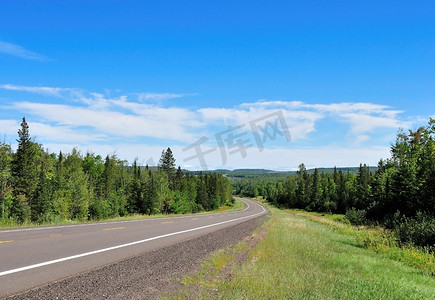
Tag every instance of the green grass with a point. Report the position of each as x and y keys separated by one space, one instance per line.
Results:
x=302 y=259
x=8 y=223
x=377 y=239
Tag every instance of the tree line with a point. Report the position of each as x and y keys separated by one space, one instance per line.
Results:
x=37 y=186
x=399 y=195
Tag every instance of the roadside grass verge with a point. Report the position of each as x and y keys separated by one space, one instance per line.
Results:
x=377 y=239
x=8 y=223
x=299 y=258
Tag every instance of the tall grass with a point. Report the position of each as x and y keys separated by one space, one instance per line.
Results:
x=378 y=239
x=302 y=259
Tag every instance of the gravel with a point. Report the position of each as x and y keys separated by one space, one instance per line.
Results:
x=146 y=276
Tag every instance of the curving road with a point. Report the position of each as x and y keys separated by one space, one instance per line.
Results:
x=32 y=257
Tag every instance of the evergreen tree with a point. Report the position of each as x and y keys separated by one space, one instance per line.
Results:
x=363 y=187
x=5 y=178
x=315 y=192
x=201 y=192
x=341 y=193
x=164 y=193
x=41 y=204
x=108 y=177
x=135 y=198
x=24 y=172
x=178 y=181
x=60 y=174
x=167 y=164
x=302 y=190
x=426 y=171
x=149 y=193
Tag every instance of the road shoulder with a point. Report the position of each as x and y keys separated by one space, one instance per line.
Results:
x=146 y=276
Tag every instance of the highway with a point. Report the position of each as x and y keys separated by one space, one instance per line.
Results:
x=31 y=257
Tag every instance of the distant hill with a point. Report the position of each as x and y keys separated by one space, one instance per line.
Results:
x=254 y=173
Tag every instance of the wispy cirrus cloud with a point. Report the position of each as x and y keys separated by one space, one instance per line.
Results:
x=19 y=51
x=158 y=96
x=94 y=98
x=42 y=90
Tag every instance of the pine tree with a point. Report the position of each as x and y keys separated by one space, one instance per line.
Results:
x=178 y=182
x=201 y=192
x=302 y=188
x=341 y=193
x=24 y=172
x=108 y=177
x=363 y=187
x=149 y=193
x=167 y=164
x=135 y=199
x=167 y=161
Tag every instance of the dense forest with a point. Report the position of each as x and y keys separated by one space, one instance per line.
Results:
x=37 y=186
x=399 y=195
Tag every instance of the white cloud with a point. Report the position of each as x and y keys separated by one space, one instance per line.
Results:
x=44 y=90
x=105 y=124
x=19 y=51
x=364 y=123
x=299 y=123
x=158 y=96
x=175 y=115
x=122 y=117
x=63 y=133
x=363 y=117
x=359 y=139
x=8 y=127
x=161 y=123
x=359 y=107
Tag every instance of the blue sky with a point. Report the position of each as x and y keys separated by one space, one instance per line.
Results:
x=134 y=77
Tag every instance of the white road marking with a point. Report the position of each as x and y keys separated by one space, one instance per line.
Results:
x=124 y=245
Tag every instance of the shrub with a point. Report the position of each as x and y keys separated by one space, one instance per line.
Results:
x=418 y=231
x=356 y=216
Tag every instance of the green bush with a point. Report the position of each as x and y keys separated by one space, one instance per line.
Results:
x=356 y=216
x=418 y=231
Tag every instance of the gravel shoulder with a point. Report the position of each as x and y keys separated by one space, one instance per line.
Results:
x=146 y=276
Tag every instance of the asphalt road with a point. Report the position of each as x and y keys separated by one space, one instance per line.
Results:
x=33 y=257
